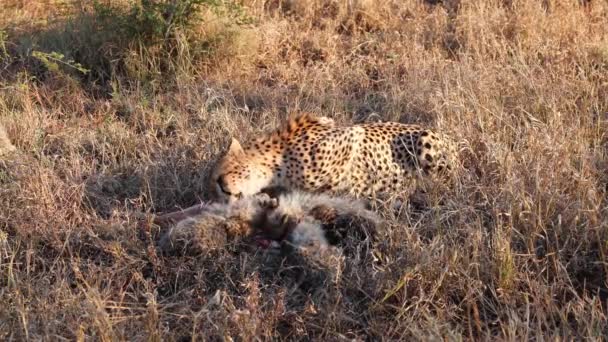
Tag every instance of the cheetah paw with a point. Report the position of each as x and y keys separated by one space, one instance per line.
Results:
x=266 y=202
x=325 y=121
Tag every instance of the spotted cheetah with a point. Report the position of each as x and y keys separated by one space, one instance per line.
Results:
x=314 y=154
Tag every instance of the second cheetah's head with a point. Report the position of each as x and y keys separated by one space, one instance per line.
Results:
x=239 y=174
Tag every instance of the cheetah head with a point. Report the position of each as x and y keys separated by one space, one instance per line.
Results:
x=238 y=174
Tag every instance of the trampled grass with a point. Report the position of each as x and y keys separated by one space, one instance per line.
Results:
x=516 y=249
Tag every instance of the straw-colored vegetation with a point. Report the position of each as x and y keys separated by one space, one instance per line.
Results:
x=118 y=108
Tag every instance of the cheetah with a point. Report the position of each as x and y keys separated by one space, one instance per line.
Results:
x=294 y=218
x=312 y=153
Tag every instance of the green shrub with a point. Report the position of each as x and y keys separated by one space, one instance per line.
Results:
x=152 y=21
x=143 y=41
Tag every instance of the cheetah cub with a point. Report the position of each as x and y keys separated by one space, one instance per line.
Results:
x=304 y=219
x=314 y=154
x=295 y=219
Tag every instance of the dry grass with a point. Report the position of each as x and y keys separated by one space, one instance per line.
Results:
x=516 y=250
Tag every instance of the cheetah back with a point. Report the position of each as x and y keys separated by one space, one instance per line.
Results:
x=363 y=159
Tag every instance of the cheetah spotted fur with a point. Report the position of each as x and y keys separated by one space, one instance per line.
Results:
x=314 y=154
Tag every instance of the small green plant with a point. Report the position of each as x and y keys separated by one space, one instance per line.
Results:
x=53 y=61
x=3 y=49
x=5 y=178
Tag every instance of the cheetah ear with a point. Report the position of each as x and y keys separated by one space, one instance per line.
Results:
x=235 y=148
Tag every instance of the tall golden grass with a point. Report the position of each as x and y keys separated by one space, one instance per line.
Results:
x=515 y=250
